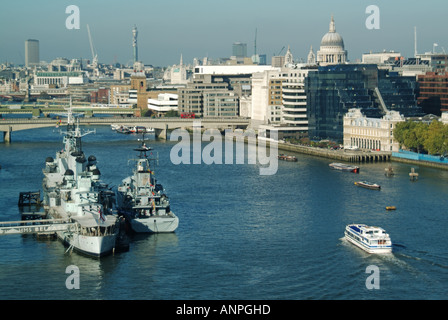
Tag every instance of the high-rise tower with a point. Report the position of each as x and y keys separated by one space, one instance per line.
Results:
x=239 y=50
x=31 y=53
x=134 y=43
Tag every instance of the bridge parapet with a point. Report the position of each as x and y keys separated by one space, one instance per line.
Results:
x=162 y=125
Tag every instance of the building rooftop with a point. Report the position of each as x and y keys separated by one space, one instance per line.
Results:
x=232 y=69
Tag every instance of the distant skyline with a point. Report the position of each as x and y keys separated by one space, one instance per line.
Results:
x=199 y=28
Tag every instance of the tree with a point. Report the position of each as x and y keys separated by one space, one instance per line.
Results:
x=172 y=113
x=417 y=136
x=436 y=141
x=400 y=132
x=420 y=136
x=411 y=134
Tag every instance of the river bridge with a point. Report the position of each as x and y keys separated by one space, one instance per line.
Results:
x=37 y=110
x=161 y=125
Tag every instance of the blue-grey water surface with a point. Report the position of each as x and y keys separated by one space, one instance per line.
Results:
x=241 y=235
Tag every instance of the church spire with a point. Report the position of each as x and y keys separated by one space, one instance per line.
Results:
x=289 y=59
x=332 y=25
x=311 y=56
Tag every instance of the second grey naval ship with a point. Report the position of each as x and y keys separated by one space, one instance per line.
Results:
x=142 y=201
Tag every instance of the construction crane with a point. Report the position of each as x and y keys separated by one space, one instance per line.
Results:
x=280 y=52
x=92 y=49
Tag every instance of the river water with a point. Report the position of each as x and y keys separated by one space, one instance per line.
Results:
x=241 y=236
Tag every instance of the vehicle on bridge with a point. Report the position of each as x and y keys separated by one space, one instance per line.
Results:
x=187 y=115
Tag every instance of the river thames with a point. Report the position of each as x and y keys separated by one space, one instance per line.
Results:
x=242 y=235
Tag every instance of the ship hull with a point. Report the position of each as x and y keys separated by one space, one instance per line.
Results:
x=92 y=246
x=154 y=224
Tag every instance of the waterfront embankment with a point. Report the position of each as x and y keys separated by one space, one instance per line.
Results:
x=342 y=155
x=360 y=156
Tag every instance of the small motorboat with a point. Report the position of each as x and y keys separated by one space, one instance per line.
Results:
x=123 y=129
x=368 y=185
x=285 y=157
x=388 y=208
x=344 y=167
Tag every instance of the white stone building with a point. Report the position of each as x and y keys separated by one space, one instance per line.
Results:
x=371 y=133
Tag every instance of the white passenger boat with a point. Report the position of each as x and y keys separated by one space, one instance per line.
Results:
x=368 y=238
x=73 y=191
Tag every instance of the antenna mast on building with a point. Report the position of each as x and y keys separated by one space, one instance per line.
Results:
x=255 y=57
x=415 y=42
x=255 y=43
x=134 y=43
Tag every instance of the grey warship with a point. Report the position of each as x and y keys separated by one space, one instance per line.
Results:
x=72 y=190
x=142 y=201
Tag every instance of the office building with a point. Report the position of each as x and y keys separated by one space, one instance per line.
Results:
x=165 y=102
x=59 y=79
x=191 y=98
x=220 y=103
x=433 y=92
x=437 y=61
x=279 y=101
x=278 y=61
x=31 y=53
x=119 y=94
x=371 y=133
x=239 y=50
x=294 y=103
x=275 y=100
x=266 y=97
x=333 y=90
x=380 y=57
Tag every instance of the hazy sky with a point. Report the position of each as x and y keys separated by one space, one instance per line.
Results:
x=198 y=28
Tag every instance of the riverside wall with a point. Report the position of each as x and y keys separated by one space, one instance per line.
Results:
x=341 y=155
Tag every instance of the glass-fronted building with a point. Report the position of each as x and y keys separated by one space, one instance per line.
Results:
x=333 y=90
